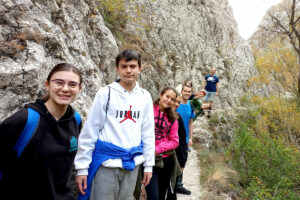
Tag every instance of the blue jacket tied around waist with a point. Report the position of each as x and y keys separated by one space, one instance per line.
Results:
x=105 y=151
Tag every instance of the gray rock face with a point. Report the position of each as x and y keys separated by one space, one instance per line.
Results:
x=186 y=39
x=183 y=40
x=36 y=35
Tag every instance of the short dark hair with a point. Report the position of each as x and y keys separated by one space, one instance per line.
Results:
x=129 y=55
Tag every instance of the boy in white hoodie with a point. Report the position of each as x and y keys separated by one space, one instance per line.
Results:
x=117 y=136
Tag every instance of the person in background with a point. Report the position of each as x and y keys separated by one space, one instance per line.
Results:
x=211 y=86
x=166 y=141
x=117 y=136
x=188 y=83
x=42 y=168
x=198 y=105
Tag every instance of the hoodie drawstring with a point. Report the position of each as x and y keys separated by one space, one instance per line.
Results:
x=162 y=119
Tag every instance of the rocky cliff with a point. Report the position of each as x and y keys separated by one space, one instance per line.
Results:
x=180 y=39
x=187 y=38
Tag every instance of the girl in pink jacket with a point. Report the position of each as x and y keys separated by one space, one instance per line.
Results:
x=166 y=140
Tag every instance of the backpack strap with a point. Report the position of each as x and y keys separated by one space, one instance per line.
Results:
x=108 y=98
x=168 y=133
x=28 y=131
x=78 y=118
x=192 y=105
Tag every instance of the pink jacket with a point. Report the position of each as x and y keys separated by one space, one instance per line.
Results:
x=166 y=133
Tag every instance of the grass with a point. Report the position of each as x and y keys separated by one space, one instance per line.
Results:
x=215 y=175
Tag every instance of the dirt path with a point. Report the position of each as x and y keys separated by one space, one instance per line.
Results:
x=191 y=178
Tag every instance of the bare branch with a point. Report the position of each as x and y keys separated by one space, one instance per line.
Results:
x=286 y=10
x=293 y=43
x=277 y=23
x=297 y=20
x=292 y=12
x=274 y=31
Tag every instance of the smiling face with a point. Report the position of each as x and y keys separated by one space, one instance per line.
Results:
x=128 y=71
x=167 y=99
x=176 y=103
x=186 y=92
x=63 y=94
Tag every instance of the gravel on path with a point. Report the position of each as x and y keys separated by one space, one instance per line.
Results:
x=191 y=178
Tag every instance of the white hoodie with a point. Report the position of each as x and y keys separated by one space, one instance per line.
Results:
x=112 y=126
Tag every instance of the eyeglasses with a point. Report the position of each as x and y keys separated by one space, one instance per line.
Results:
x=61 y=83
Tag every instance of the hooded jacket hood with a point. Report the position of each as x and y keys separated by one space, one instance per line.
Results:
x=40 y=107
x=122 y=91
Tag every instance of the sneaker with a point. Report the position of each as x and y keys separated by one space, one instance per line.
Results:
x=183 y=190
x=208 y=114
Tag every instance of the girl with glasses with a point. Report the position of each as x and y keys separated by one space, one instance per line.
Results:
x=40 y=168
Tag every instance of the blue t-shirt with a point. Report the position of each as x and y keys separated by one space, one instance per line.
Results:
x=186 y=113
x=211 y=83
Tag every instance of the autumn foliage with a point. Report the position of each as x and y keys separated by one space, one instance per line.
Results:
x=278 y=69
x=266 y=147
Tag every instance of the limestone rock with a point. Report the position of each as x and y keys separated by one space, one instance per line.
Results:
x=185 y=39
x=36 y=35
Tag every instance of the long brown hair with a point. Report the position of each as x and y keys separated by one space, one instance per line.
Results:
x=171 y=115
x=62 y=67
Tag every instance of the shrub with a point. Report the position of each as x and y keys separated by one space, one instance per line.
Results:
x=114 y=13
x=268 y=167
x=215 y=175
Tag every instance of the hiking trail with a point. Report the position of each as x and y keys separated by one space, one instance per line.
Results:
x=191 y=178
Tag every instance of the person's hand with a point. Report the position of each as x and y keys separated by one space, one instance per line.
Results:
x=181 y=168
x=197 y=96
x=81 y=182
x=190 y=142
x=200 y=94
x=216 y=93
x=147 y=178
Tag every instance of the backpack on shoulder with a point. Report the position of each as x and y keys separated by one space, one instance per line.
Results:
x=28 y=132
x=33 y=118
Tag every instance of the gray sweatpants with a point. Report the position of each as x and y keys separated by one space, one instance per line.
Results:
x=113 y=184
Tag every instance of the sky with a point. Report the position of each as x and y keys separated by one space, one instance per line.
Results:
x=249 y=13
